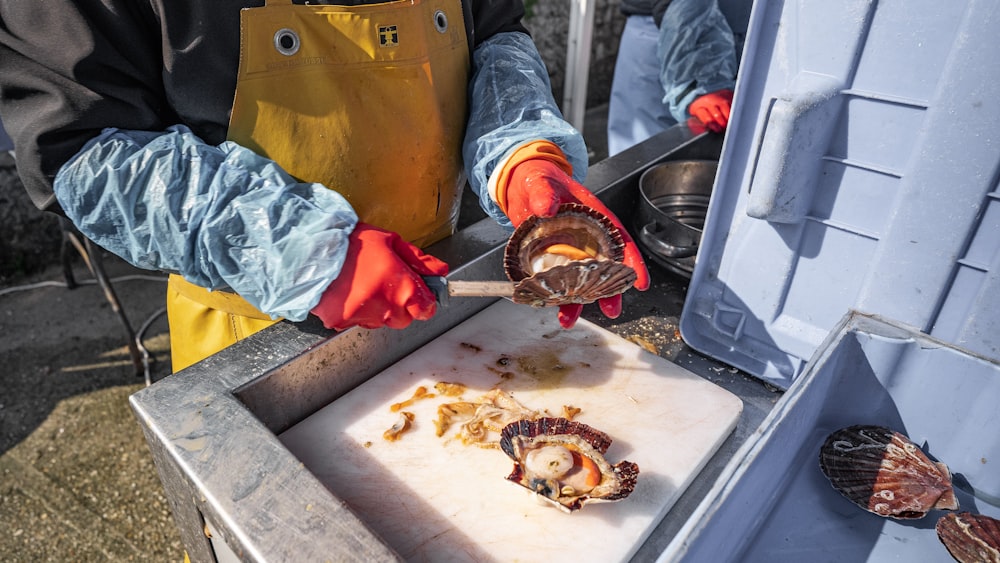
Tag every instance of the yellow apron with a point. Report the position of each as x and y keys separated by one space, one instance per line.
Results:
x=368 y=100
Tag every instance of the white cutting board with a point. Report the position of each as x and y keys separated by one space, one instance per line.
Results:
x=436 y=499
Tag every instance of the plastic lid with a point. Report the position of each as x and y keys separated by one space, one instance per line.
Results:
x=860 y=172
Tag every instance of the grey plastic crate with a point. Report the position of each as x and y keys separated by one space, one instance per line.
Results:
x=851 y=255
x=859 y=172
x=774 y=504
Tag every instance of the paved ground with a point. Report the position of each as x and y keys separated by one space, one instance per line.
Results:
x=77 y=482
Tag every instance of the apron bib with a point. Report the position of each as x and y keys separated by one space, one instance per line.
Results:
x=368 y=100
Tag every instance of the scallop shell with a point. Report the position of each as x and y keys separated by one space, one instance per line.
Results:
x=562 y=461
x=544 y=279
x=883 y=472
x=970 y=538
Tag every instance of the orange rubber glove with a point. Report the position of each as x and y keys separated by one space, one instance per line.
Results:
x=380 y=283
x=696 y=126
x=536 y=180
x=712 y=109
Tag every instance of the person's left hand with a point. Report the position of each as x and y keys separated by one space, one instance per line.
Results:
x=538 y=186
x=712 y=109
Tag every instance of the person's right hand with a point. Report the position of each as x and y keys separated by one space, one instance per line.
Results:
x=380 y=283
x=712 y=109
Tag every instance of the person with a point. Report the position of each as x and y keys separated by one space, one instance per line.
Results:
x=282 y=159
x=676 y=61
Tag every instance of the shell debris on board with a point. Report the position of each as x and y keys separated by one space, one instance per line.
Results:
x=562 y=462
x=482 y=419
x=574 y=257
x=970 y=538
x=885 y=473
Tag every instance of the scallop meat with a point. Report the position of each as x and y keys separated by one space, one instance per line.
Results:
x=885 y=473
x=574 y=257
x=562 y=462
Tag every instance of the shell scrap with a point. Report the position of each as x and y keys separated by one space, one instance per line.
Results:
x=562 y=461
x=573 y=257
x=883 y=472
x=970 y=538
x=478 y=419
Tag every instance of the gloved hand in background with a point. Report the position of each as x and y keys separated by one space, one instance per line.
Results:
x=380 y=283
x=536 y=181
x=712 y=109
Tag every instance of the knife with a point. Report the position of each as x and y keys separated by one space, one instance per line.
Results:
x=444 y=289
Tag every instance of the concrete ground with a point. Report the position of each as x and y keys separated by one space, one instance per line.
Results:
x=77 y=481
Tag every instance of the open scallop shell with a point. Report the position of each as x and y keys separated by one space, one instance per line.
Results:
x=883 y=472
x=970 y=538
x=546 y=278
x=562 y=461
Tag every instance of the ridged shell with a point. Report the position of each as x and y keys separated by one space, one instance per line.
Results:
x=520 y=439
x=970 y=538
x=885 y=473
x=570 y=281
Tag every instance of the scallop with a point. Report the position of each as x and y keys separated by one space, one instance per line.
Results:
x=562 y=462
x=885 y=473
x=970 y=538
x=574 y=257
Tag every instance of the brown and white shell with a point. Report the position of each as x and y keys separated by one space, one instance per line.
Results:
x=545 y=278
x=970 y=538
x=885 y=473
x=562 y=461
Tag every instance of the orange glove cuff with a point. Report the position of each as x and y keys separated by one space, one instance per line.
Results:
x=545 y=150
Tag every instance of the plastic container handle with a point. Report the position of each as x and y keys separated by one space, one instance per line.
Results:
x=791 y=150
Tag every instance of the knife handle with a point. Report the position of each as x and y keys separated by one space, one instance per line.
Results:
x=444 y=289
x=462 y=288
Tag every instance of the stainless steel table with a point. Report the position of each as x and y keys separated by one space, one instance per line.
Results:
x=213 y=427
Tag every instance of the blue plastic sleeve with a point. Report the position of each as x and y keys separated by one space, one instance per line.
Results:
x=698 y=53
x=220 y=216
x=511 y=103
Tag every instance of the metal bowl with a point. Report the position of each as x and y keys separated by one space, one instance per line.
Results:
x=672 y=208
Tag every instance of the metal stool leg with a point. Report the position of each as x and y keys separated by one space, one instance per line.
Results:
x=96 y=266
x=64 y=254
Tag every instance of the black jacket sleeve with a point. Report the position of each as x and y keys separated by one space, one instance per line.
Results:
x=67 y=70
x=660 y=8
x=492 y=17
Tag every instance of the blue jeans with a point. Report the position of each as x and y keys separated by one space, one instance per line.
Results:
x=636 y=110
x=5 y=143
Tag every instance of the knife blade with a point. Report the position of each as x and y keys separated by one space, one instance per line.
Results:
x=444 y=289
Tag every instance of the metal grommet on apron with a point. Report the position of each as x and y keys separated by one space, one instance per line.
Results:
x=368 y=100
x=441 y=21
x=286 y=41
